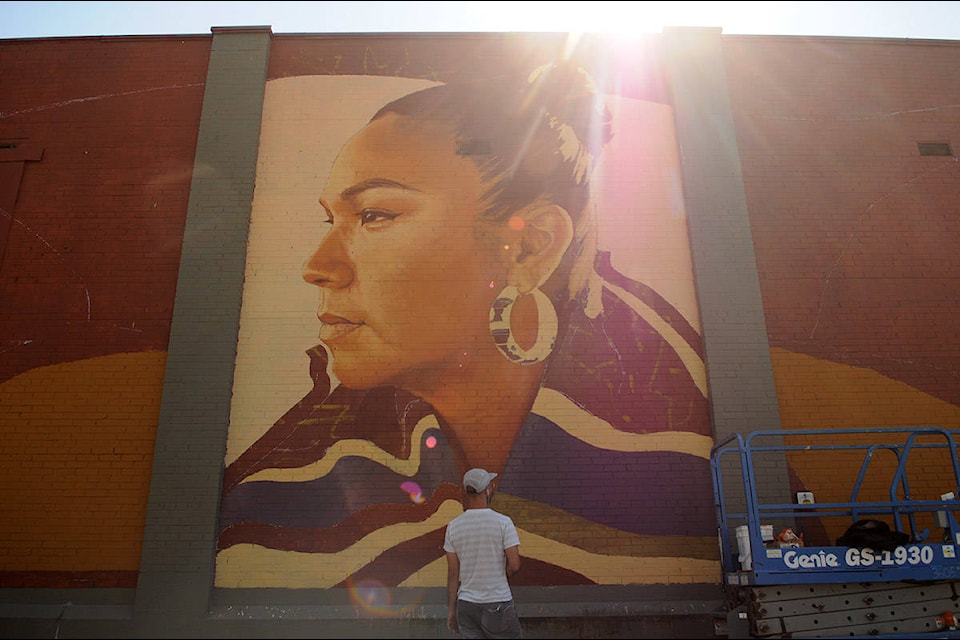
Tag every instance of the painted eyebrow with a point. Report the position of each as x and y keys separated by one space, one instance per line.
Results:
x=374 y=183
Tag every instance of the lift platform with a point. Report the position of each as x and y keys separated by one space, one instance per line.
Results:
x=809 y=585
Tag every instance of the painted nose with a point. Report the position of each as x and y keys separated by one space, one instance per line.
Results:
x=328 y=266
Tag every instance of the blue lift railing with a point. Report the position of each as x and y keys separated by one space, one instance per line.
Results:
x=918 y=560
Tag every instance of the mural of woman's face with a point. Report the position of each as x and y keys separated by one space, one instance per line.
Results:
x=406 y=270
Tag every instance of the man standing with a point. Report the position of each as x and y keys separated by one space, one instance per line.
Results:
x=483 y=550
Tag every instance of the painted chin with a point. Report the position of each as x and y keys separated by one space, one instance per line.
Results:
x=353 y=367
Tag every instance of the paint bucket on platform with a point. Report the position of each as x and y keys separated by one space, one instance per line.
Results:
x=743 y=543
x=743 y=546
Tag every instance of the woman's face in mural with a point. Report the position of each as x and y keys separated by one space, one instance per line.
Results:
x=406 y=272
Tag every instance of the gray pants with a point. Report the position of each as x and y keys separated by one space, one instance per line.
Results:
x=488 y=620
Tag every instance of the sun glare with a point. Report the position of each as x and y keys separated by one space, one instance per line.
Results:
x=633 y=18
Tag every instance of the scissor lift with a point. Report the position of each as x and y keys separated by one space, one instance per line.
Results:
x=776 y=590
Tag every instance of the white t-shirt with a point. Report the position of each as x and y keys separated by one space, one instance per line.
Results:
x=479 y=538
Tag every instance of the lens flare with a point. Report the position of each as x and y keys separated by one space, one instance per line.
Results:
x=374 y=598
x=413 y=489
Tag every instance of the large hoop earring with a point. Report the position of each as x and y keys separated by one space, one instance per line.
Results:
x=503 y=337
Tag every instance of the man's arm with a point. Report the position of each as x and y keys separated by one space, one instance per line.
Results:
x=453 y=584
x=513 y=559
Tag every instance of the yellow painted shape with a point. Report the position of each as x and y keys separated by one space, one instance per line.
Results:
x=819 y=394
x=78 y=442
x=558 y=408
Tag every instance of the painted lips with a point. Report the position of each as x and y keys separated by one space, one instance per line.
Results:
x=333 y=327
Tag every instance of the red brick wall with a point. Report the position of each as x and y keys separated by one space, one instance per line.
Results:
x=855 y=235
x=852 y=226
x=855 y=232
x=87 y=287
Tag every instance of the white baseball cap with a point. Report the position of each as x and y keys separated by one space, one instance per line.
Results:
x=477 y=479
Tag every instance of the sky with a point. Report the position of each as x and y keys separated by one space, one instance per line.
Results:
x=919 y=20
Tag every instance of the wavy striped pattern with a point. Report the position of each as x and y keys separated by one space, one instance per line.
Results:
x=584 y=426
x=549 y=404
x=254 y=566
x=352 y=447
x=687 y=354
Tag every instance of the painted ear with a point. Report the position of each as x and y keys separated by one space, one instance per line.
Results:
x=546 y=234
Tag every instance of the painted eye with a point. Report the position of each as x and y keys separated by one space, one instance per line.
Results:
x=372 y=216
